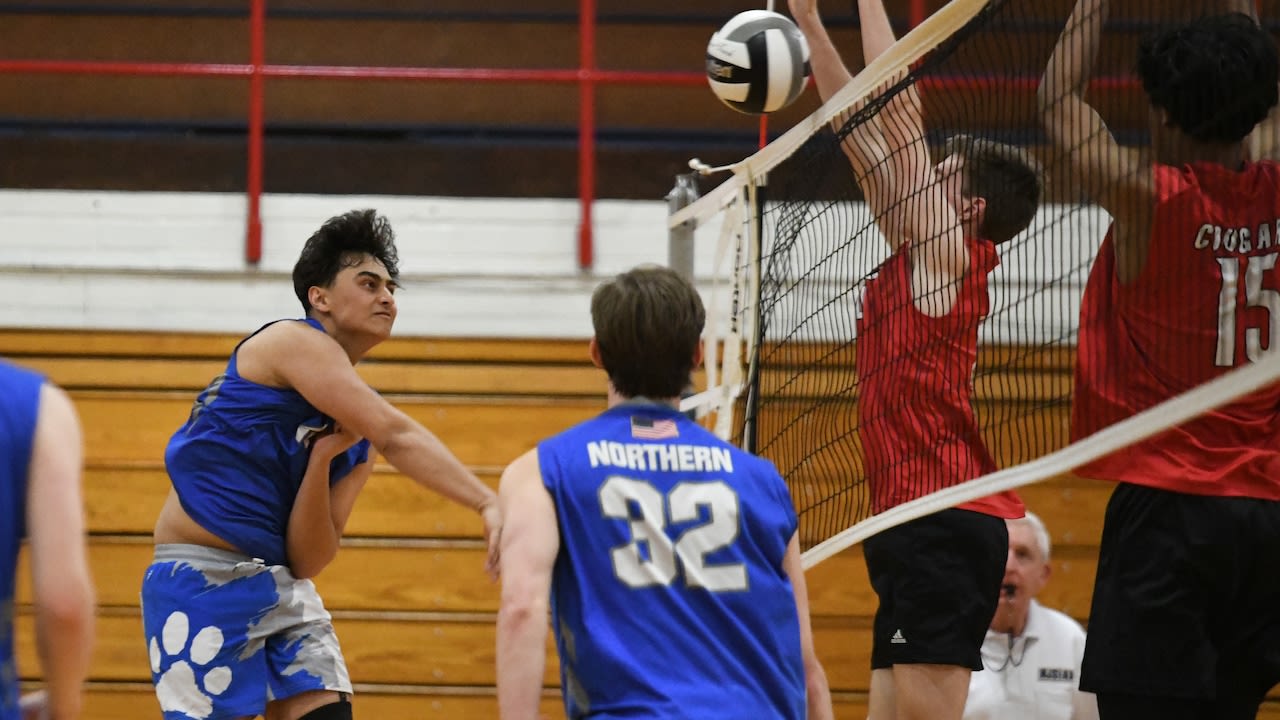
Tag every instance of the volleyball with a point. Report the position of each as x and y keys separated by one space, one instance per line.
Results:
x=758 y=62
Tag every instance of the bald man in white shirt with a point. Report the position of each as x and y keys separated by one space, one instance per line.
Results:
x=1031 y=656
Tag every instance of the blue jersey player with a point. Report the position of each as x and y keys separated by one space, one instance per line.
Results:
x=40 y=469
x=265 y=473
x=669 y=557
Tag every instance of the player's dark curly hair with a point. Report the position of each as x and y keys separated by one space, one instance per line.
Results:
x=342 y=242
x=1216 y=77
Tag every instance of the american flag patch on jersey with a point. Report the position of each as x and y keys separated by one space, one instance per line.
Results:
x=647 y=428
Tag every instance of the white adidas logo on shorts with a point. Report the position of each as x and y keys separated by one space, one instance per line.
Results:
x=897 y=638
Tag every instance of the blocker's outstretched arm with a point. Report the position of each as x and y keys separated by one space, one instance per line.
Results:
x=889 y=153
x=1117 y=178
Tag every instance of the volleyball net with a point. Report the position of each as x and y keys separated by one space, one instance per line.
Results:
x=798 y=243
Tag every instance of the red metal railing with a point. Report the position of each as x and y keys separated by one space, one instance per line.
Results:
x=916 y=12
x=587 y=77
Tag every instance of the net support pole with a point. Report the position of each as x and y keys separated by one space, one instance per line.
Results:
x=751 y=411
x=586 y=130
x=680 y=237
x=253 y=184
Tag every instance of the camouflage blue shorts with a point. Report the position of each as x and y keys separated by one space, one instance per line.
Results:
x=226 y=634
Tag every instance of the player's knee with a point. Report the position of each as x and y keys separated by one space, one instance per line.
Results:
x=340 y=710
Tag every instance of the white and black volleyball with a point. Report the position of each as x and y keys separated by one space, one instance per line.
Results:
x=758 y=62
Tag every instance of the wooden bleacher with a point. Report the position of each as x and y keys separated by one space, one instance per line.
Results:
x=412 y=607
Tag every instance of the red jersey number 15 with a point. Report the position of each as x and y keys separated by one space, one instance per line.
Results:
x=1257 y=294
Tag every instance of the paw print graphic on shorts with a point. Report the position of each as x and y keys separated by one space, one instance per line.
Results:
x=184 y=684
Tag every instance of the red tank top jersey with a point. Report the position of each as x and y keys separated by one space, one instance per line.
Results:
x=915 y=384
x=1207 y=300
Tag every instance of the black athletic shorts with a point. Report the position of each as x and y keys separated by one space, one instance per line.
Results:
x=1187 y=599
x=938 y=579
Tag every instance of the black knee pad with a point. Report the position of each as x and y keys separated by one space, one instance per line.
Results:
x=340 y=710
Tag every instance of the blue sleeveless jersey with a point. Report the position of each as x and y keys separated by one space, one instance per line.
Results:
x=19 y=407
x=668 y=596
x=238 y=461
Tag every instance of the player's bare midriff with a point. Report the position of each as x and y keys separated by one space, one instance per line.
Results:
x=175 y=526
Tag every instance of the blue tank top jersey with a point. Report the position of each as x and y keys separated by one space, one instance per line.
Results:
x=20 y=391
x=238 y=461
x=668 y=595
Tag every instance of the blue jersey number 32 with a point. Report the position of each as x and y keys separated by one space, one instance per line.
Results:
x=658 y=566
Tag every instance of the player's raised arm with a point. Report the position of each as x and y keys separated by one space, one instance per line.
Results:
x=316 y=366
x=911 y=206
x=889 y=155
x=530 y=543
x=320 y=512
x=828 y=68
x=864 y=147
x=1264 y=141
x=1117 y=178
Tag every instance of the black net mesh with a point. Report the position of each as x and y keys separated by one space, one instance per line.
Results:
x=821 y=246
